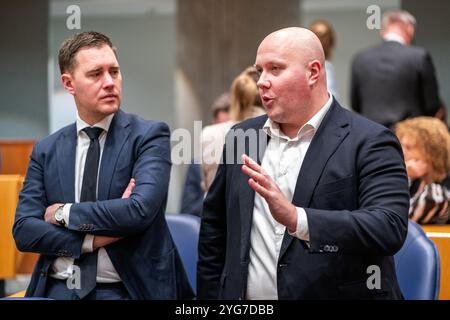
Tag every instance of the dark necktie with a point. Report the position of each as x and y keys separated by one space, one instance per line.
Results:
x=88 y=261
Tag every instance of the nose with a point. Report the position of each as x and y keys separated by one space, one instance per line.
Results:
x=108 y=80
x=263 y=82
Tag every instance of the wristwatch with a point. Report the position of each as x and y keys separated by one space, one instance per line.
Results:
x=59 y=216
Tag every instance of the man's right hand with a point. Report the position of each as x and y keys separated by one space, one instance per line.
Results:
x=103 y=241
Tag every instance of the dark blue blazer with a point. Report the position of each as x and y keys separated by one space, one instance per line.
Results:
x=146 y=258
x=354 y=189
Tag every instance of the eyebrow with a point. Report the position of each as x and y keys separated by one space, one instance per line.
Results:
x=100 y=68
x=94 y=70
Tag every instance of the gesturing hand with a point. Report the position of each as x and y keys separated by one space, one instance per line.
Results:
x=281 y=209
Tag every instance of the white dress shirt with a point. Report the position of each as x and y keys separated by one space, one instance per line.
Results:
x=62 y=268
x=282 y=161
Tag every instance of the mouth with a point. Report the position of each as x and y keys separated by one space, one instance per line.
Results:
x=267 y=101
x=109 y=97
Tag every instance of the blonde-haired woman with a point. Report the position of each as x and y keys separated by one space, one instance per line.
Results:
x=426 y=147
x=245 y=104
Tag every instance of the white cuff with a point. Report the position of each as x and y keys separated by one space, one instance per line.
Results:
x=302 y=231
x=66 y=213
x=88 y=244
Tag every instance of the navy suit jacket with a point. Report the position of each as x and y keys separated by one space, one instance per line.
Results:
x=146 y=258
x=353 y=187
x=392 y=82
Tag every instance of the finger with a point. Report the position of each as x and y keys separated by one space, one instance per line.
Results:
x=251 y=163
x=258 y=177
x=254 y=165
x=263 y=192
x=126 y=194
x=129 y=189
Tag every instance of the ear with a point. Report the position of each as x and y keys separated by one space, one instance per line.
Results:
x=315 y=68
x=410 y=31
x=66 y=79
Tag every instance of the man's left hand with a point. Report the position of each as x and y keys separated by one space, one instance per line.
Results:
x=281 y=209
x=50 y=214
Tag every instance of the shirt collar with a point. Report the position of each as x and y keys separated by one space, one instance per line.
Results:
x=391 y=36
x=104 y=123
x=272 y=128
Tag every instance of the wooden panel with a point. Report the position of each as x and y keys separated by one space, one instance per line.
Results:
x=440 y=234
x=25 y=262
x=10 y=186
x=12 y=261
x=15 y=155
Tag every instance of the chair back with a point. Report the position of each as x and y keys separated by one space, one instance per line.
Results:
x=417 y=265
x=185 y=229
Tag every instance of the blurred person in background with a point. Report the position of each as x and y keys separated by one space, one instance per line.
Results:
x=325 y=32
x=426 y=146
x=394 y=80
x=221 y=108
x=193 y=190
x=245 y=104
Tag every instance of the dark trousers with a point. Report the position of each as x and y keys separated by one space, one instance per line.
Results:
x=58 y=290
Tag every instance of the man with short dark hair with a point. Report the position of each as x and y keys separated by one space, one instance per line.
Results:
x=94 y=196
x=394 y=80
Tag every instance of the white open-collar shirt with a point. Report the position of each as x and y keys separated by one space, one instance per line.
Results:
x=282 y=161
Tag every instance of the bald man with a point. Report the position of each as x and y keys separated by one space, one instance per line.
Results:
x=322 y=204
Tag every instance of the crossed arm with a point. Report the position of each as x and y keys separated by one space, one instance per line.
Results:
x=98 y=241
x=115 y=218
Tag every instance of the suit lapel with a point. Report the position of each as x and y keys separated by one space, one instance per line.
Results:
x=117 y=135
x=247 y=194
x=332 y=131
x=65 y=152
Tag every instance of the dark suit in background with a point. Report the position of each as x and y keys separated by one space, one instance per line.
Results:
x=392 y=82
x=146 y=258
x=192 y=196
x=354 y=189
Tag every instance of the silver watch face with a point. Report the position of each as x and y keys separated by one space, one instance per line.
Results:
x=58 y=215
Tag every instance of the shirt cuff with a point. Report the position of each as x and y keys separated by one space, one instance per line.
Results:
x=88 y=244
x=302 y=231
x=66 y=213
